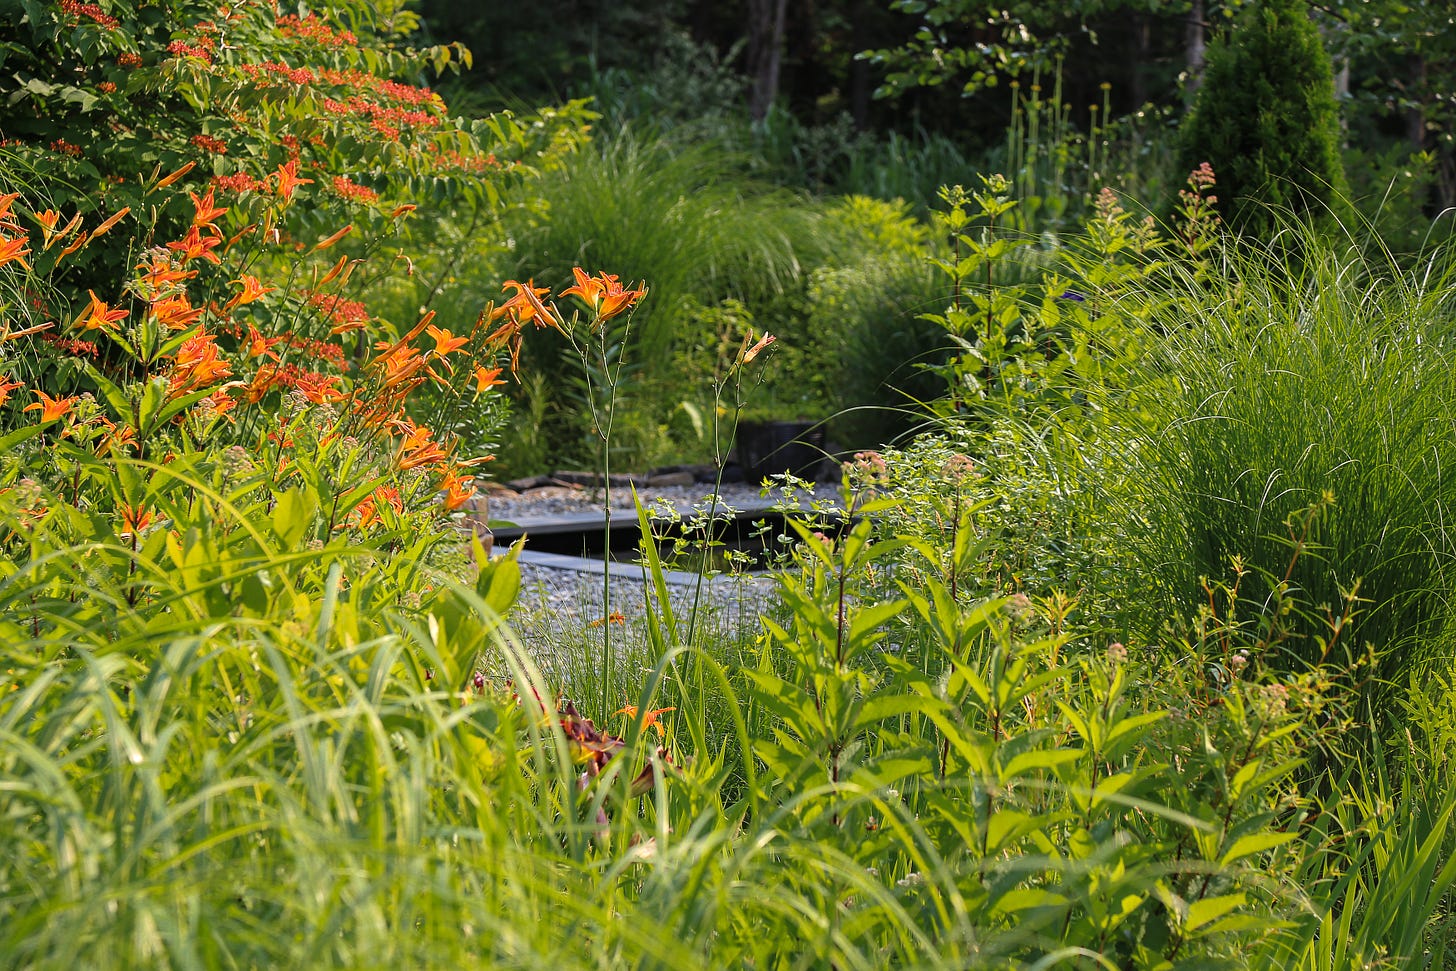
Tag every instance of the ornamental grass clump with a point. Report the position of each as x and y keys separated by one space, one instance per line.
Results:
x=1279 y=386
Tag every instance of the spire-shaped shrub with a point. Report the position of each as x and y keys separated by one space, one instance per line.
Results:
x=1266 y=118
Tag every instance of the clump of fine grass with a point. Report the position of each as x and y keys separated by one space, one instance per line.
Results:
x=1290 y=371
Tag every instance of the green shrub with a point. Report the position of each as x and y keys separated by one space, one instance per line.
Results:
x=1267 y=121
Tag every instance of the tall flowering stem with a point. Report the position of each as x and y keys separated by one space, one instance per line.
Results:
x=603 y=352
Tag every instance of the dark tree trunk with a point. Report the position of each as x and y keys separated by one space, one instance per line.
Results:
x=1143 y=39
x=1415 y=116
x=1195 y=44
x=765 y=52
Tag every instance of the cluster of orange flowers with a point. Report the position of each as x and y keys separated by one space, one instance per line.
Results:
x=198 y=366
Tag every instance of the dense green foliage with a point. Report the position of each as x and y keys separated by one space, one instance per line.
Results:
x=1267 y=121
x=1141 y=656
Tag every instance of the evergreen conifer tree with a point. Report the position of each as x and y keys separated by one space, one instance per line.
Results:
x=1266 y=119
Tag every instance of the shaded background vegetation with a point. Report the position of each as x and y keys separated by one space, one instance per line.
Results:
x=827 y=99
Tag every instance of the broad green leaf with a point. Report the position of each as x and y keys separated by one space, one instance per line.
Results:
x=1201 y=912
x=1254 y=843
x=293 y=514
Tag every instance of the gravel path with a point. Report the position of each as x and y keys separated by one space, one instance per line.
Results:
x=561 y=615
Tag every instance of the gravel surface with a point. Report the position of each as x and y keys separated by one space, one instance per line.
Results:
x=561 y=615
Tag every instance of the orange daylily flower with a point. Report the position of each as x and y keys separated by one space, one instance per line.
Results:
x=5 y=201
x=618 y=618
x=417 y=453
x=446 y=342
x=205 y=212
x=252 y=290
x=196 y=366
x=288 y=179
x=161 y=275
x=457 y=489
x=52 y=408
x=195 y=245
x=485 y=379
x=262 y=381
x=367 y=512
x=175 y=312
x=116 y=438
x=7 y=386
x=220 y=401
x=134 y=519
x=399 y=365
x=98 y=316
x=319 y=388
x=260 y=346
x=526 y=305
x=603 y=293
x=14 y=251
x=649 y=720
x=47 y=220
x=418 y=447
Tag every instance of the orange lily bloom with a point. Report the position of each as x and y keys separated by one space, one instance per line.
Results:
x=260 y=346
x=288 y=179
x=175 y=312
x=196 y=366
x=47 y=220
x=221 y=402
x=526 y=305
x=195 y=245
x=603 y=293
x=649 y=720
x=134 y=520
x=618 y=618
x=52 y=408
x=115 y=438
x=5 y=201
x=319 y=388
x=161 y=275
x=588 y=288
x=252 y=290
x=205 y=213
x=367 y=512
x=14 y=251
x=7 y=386
x=99 y=316
x=446 y=342
x=485 y=379
x=265 y=379
x=418 y=448
x=457 y=489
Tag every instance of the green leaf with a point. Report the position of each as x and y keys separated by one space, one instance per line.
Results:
x=293 y=514
x=1254 y=843
x=7 y=442
x=788 y=701
x=1203 y=911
